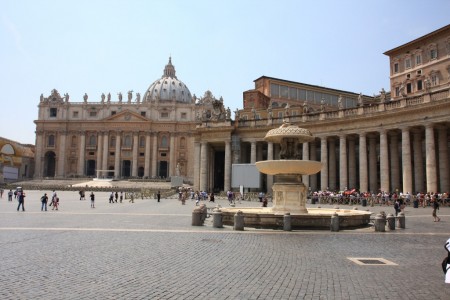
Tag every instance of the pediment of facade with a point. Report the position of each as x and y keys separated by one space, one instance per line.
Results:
x=126 y=116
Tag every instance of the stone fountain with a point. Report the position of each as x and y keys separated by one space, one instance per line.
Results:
x=289 y=192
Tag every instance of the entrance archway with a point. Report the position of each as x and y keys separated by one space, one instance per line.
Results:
x=162 y=169
x=126 y=168
x=90 y=167
x=49 y=164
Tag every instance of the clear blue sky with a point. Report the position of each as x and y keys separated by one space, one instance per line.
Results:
x=95 y=47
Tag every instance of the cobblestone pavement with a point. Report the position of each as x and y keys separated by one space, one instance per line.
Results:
x=149 y=250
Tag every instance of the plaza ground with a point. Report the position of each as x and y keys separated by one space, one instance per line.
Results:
x=149 y=250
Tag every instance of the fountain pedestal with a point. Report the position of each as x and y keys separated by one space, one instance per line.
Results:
x=289 y=197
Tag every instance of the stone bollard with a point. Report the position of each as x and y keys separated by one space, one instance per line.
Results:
x=217 y=218
x=287 y=224
x=380 y=223
x=401 y=220
x=238 y=221
x=197 y=217
x=334 y=226
x=390 y=221
x=204 y=212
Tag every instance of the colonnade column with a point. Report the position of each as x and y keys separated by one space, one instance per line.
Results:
x=406 y=161
x=430 y=159
x=373 y=178
x=332 y=164
x=343 y=179
x=82 y=153
x=363 y=174
x=135 y=154
x=312 y=156
x=105 y=152
x=253 y=152
x=418 y=161
x=324 y=160
x=39 y=153
x=62 y=154
x=227 y=172
x=305 y=156
x=147 y=155
x=197 y=166
x=154 y=154
x=384 y=161
x=172 y=162
x=203 y=166
x=98 y=164
x=395 y=161
x=443 y=160
x=351 y=163
x=117 y=172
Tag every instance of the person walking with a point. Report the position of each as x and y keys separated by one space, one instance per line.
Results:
x=121 y=197
x=21 y=197
x=131 y=198
x=10 y=194
x=111 y=197
x=55 y=202
x=92 y=199
x=44 y=200
x=435 y=209
x=158 y=196
x=116 y=196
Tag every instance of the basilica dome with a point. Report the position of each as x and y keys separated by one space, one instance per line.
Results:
x=168 y=87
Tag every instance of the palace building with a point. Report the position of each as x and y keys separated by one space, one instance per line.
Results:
x=393 y=141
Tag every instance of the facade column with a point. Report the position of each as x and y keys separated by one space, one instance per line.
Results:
x=62 y=155
x=253 y=152
x=134 y=167
x=343 y=179
x=39 y=155
x=324 y=160
x=418 y=162
x=117 y=173
x=444 y=182
x=154 y=154
x=204 y=166
x=363 y=174
x=82 y=153
x=98 y=163
x=147 y=156
x=305 y=156
x=312 y=156
x=332 y=164
x=197 y=166
x=395 y=162
x=351 y=163
x=430 y=159
x=172 y=162
x=384 y=161
x=105 y=153
x=269 y=157
x=227 y=171
x=373 y=178
x=406 y=161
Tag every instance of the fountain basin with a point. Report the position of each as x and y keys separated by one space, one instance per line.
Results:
x=301 y=167
x=314 y=218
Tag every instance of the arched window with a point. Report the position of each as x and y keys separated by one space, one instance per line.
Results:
x=127 y=141
x=112 y=141
x=164 y=142
x=74 y=140
x=142 y=141
x=92 y=140
x=51 y=140
x=183 y=143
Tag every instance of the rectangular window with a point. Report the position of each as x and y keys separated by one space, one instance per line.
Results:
x=418 y=59
x=113 y=113
x=397 y=91
x=274 y=90
x=302 y=95
x=183 y=116
x=92 y=114
x=419 y=85
x=164 y=115
x=396 y=68
x=163 y=154
x=433 y=54
x=141 y=154
x=284 y=92
x=75 y=114
x=293 y=93
x=407 y=63
x=143 y=113
x=53 y=111
x=434 y=80
x=408 y=88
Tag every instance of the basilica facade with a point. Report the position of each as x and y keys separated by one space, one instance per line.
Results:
x=393 y=141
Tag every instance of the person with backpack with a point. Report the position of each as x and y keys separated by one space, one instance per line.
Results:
x=92 y=200
x=435 y=209
x=44 y=200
